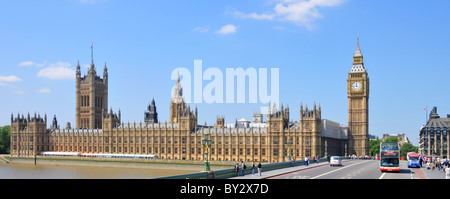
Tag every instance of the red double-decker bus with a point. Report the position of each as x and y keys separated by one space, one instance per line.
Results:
x=389 y=156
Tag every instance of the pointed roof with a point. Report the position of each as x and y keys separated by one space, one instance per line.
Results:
x=92 y=68
x=358 y=52
x=358 y=66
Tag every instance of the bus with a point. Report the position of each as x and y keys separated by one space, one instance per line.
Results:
x=413 y=160
x=389 y=156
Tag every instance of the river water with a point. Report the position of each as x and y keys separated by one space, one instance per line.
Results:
x=26 y=171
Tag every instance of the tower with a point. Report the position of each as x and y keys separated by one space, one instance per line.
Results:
x=151 y=116
x=311 y=129
x=29 y=135
x=358 y=106
x=180 y=112
x=91 y=97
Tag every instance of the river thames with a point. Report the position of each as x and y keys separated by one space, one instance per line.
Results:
x=29 y=171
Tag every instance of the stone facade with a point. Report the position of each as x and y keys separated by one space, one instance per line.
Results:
x=358 y=106
x=91 y=98
x=101 y=131
x=434 y=136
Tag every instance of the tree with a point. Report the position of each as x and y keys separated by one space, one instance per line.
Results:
x=374 y=147
x=406 y=148
x=5 y=140
x=391 y=139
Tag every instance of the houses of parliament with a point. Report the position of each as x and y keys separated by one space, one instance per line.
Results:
x=99 y=130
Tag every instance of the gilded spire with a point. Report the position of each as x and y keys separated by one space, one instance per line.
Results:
x=358 y=50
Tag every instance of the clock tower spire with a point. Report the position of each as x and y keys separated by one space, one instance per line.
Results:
x=358 y=106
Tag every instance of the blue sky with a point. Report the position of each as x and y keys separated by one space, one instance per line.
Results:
x=405 y=46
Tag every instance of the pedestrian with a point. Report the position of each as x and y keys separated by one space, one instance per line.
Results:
x=420 y=161
x=447 y=172
x=314 y=159
x=292 y=162
x=259 y=168
x=253 y=169
x=243 y=168
x=438 y=163
x=236 y=168
x=306 y=161
x=317 y=159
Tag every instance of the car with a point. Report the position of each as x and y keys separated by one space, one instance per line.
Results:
x=335 y=160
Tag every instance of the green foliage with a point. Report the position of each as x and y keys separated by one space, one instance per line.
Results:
x=374 y=147
x=5 y=140
x=406 y=148
x=391 y=139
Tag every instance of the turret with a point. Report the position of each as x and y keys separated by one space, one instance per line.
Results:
x=105 y=74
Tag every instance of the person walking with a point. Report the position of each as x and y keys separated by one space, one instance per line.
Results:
x=306 y=161
x=259 y=168
x=253 y=169
x=447 y=172
x=420 y=161
x=236 y=168
x=243 y=168
x=438 y=163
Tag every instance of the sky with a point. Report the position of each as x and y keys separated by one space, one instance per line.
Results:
x=311 y=42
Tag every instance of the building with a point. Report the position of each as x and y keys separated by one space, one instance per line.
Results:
x=434 y=136
x=358 y=106
x=401 y=138
x=91 y=98
x=272 y=140
x=151 y=116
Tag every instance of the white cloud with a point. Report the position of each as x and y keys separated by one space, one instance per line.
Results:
x=227 y=29
x=44 y=90
x=27 y=63
x=11 y=78
x=201 y=29
x=254 y=16
x=19 y=92
x=59 y=70
x=300 y=12
x=31 y=63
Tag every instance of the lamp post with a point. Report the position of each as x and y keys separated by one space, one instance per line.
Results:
x=206 y=141
x=345 y=148
x=289 y=144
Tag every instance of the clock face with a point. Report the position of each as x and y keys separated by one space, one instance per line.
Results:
x=356 y=86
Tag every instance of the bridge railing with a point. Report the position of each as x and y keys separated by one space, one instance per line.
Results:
x=228 y=173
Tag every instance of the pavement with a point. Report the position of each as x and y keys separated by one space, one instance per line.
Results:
x=428 y=174
x=432 y=174
x=277 y=172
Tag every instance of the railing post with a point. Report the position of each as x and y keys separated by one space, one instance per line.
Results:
x=211 y=175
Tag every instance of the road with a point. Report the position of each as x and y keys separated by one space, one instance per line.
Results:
x=360 y=169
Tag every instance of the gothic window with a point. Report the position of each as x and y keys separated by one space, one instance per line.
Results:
x=275 y=140
x=308 y=141
x=308 y=127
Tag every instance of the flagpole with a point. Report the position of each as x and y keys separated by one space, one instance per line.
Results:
x=92 y=51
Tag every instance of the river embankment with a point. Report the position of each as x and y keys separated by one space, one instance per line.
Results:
x=181 y=165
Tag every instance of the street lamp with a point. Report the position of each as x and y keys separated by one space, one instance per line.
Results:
x=206 y=141
x=289 y=144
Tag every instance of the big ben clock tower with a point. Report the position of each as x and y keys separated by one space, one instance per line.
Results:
x=358 y=106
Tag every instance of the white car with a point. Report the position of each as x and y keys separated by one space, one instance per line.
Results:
x=335 y=160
